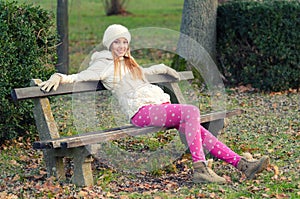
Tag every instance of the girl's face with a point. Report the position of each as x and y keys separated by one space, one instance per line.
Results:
x=119 y=47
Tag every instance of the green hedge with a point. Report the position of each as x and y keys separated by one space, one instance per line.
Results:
x=27 y=50
x=259 y=43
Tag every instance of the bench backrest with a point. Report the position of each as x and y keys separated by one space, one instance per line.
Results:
x=89 y=86
x=45 y=122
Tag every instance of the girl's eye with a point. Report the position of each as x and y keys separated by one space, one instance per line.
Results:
x=120 y=42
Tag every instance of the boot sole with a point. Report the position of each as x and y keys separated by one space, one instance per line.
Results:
x=207 y=182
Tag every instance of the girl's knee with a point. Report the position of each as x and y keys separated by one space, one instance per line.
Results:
x=193 y=109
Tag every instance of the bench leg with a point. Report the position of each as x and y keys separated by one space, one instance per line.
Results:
x=83 y=175
x=214 y=126
x=55 y=165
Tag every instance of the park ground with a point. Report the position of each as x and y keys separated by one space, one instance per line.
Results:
x=269 y=126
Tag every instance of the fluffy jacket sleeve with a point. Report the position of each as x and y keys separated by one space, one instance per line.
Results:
x=99 y=63
x=161 y=69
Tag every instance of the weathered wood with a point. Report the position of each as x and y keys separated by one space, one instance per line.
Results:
x=82 y=159
x=63 y=89
x=83 y=175
x=174 y=87
x=93 y=137
x=90 y=86
x=220 y=115
x=47 y=129
x=116 y=133
x=43 y=116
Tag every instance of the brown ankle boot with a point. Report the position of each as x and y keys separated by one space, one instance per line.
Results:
x=250 y=168
x=203 y=174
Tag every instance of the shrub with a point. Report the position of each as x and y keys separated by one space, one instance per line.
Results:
x=27 y=50
x=259 y=43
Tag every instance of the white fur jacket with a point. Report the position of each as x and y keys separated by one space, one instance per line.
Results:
x=132 y=94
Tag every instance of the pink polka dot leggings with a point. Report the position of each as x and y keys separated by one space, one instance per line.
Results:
x=186 y=119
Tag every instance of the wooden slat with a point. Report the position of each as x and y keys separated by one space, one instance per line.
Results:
x=35 y=92
x=116 y=133
x=93 y=137
x=220 y=115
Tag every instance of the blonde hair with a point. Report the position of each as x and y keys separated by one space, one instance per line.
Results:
x=130 y=64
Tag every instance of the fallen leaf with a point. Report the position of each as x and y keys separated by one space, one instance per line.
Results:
x=201 y=195
x=276 y=172
x=212 y=195
x=247 y=155
x=14 y=162
x=110 y=195
x=42 y=172
x=3 y=194
x=16 y=178
x=124 y=197
x=82 y=193
x=281 y=196
x=265 y=195
x=24 y=158
x=210 y=163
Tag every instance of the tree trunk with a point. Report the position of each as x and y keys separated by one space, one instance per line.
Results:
x=63 y=32
x=197 y=43
x=199 y=20
x=115 y=7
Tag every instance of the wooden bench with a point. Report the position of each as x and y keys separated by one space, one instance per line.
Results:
x=79 y=147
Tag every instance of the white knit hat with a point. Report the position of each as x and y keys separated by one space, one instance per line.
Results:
x=114 y=32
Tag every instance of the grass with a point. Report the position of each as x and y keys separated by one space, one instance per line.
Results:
x=271 y=125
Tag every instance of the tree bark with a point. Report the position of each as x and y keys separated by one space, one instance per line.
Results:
x=199 y=20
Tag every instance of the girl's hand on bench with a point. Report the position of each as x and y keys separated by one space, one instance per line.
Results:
x=53 y=82
x=163 y=69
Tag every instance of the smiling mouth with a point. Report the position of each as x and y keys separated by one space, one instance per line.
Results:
x=121 y=53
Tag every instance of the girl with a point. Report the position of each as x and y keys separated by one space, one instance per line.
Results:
x=147 y=105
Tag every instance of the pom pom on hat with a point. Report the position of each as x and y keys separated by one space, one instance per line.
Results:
x=114 y=32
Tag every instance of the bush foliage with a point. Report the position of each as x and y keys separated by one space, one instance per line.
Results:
x=259 y=43
x=27 y=50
